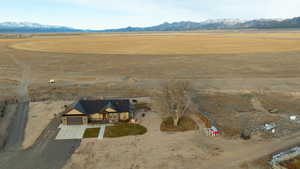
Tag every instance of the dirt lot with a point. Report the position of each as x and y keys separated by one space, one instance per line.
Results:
x=225 y=63
x=152 y=150
x=162 y=150
x=39 y=116
x=139 y=73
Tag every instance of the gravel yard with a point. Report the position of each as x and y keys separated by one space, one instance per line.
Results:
x=39 y=116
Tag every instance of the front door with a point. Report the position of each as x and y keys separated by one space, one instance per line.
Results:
x=105 y=116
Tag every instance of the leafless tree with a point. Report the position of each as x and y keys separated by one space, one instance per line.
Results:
x=174 y=99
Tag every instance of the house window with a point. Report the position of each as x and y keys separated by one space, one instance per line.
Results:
x=113 y=116
x=124 y=116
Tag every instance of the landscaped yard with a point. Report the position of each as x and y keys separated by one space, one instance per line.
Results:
x=91 y=133
x=124 y=129
x=185 y=123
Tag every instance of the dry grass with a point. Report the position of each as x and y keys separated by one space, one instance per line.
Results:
x=185 y=124
x=285 y=103
x=139 y=74
x=167 y=43
x=205 y=121
x=292 y=164
x=181 y=150
x=39 y=116
x=225 y=110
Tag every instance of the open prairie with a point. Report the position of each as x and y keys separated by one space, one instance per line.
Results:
x=136 y=62
x=167 y=43
x=132 y=65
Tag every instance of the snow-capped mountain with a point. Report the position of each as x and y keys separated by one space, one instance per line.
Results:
x=29 y=27
x=224 y=21
x=24 y=24
x=218 y=24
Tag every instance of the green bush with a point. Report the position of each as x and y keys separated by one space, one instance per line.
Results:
x=185 y=123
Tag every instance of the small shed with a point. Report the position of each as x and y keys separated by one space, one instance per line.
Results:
x=213 y=131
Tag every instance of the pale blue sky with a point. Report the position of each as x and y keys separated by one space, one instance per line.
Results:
x=101 y=14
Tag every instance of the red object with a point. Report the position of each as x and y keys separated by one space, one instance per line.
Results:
x=214 y=132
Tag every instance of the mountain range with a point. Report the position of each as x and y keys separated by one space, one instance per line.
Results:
x=27 y=27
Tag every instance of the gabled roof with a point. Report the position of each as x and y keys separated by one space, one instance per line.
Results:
x=99 y=106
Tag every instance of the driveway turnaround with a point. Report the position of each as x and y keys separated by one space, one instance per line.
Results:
x=101 y=132
x=46 y=153
x=76 y=131
x=70 y=132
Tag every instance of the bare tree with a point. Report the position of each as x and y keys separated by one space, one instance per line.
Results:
x=174 y=99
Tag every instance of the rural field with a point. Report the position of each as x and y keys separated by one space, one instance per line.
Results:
x=216 y=60
x=238 y=77
x=167 y=43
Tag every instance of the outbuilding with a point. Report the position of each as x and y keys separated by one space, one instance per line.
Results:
x=213 y=131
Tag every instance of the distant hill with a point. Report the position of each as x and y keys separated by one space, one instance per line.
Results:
x=217 y=24
x=27 y=27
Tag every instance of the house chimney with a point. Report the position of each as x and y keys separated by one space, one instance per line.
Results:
x=66 y=107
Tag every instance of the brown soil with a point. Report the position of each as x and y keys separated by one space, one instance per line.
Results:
x=39 y=116
x=292 y=164
x=167 y=43
x=140 y=73
x=185 y=123
x=162 y=150
x=285 y=103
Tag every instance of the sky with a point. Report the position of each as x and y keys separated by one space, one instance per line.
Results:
x=105 y=14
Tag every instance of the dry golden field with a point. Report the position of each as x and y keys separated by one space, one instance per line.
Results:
x=167 y=43
x=135 y=62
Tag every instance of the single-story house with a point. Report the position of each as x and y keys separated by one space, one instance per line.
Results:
x=98 y=111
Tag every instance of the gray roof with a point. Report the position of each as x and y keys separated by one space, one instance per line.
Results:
x=99 y=106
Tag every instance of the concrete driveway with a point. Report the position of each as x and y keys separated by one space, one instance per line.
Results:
x=77 y=131
x=70 y=132
x=46 y=153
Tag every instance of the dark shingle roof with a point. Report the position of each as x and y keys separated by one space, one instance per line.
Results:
x=99 y=106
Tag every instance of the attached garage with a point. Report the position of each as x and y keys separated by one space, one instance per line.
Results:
x=74 y=120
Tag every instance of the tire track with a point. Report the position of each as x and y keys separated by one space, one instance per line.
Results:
x=18 y=124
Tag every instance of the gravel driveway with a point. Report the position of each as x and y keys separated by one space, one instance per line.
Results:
x=46 y=153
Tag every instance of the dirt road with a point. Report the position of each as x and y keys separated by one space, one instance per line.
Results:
x=249 y=151
x=46 y=153
x=17 y=127
x=18 y=124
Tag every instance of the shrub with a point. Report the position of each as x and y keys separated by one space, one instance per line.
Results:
x=292 y=164
x=185 y=123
